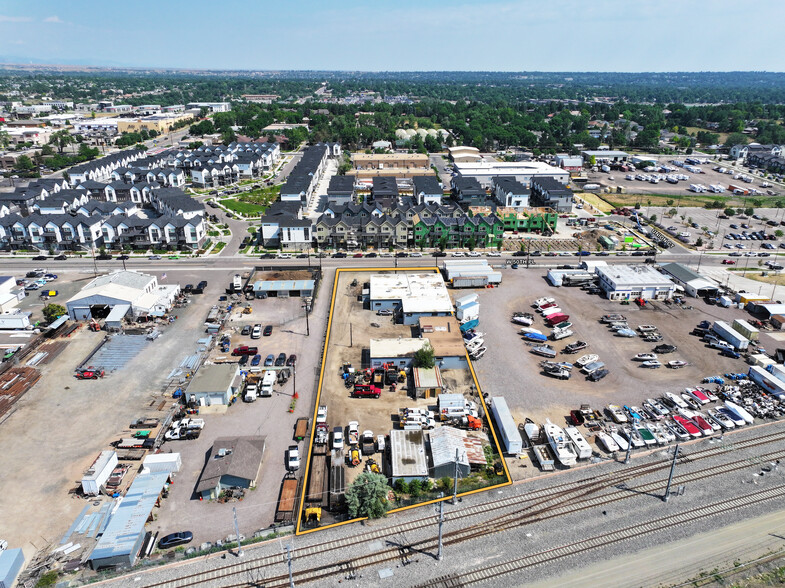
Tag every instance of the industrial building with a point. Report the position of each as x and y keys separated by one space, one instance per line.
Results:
x=450 y=446
x=399 y=352
x=139 y=293
x=283 y=288
x=11 y=563
x=214 y=384
x=629 y=282
x=233 y=461
x=410 y=296
x=605 y=156
x=427 y=382
x=407 y=456
x=464 y=154
x=444 y=334
x=693 y=283
x=122 y=538
x=523 y=171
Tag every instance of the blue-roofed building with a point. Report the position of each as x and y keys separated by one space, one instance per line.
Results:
x=283 y=288
x=122 y=539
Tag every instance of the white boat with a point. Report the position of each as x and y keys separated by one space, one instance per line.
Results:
x=658 y=406
x=645 y=357
x=736 y=419
x=678 y=431
x=633 y=436
x=543 y=301
x=662 y=433
x=676 y=400
x=551 y=311
x=560 y=444
x=522 y=320
x=561 y=334
x=647 y=328
x=676 y=364
x=617 y=414
x=739 y=411
x=652 y=363
x=586 y=359
x=580 y=443
x=629 y=333
x=618 y=438
x=544 y=350
x=646 y=434
x=530 y=330
x=474 y=344
x=606 y=441
x=721 y=418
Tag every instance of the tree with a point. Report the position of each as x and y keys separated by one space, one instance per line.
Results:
x=367 y=496
x=749 y=211
x=653 y=218
x=669 y=202
x=471 y=243
x=24 y=163
x=778 y=233
x=699 y=242
x=61 y=139
x=728 y=212
x=53 y=311
x=736 y=139
x=423 y=358
x=672 y=212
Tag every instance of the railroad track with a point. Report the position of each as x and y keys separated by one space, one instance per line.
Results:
x=558 y=500
x=497 y=571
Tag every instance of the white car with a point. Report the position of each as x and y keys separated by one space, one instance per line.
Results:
x=293 y=458
x=474 y=254
x=457 y=254
x=338 y=438
x=415 y=254
x=321 y=414
x=494 y=254
x=257 y=332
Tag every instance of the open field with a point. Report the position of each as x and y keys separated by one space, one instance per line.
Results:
x=595 y=201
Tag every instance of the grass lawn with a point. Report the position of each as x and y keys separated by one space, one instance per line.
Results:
x=595 y=201
x=723 y=136
x=218 y=247
x=263 y=196
x=243 y=207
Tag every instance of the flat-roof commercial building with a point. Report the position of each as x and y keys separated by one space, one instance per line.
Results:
x=444 y=333
x=693 y=283
x=524 y=171
x=233 y=461
x=628 y=282
x=283 y=288
x=411 y=295
x=399 y=352
x=407 y=456
x=121 y=540
x=605 y=156
x=214 y=384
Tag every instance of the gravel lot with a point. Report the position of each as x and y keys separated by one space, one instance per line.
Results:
x=510 y=370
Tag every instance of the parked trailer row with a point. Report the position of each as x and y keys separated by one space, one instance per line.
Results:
x=508 y=430
x=726 y=333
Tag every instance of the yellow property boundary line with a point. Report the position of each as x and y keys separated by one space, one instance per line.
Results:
x=298 y=530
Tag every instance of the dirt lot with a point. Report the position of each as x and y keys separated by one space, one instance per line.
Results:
x=349 y=339
x=509 y=369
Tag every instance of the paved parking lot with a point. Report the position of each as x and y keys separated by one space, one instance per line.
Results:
x=510 y=370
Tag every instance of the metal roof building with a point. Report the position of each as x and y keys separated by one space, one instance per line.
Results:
x=214 y=384
x=120 y=543
x=407 y=455
x=283 y=288
x=446 y=441
x=628 y=282
x=693 y=283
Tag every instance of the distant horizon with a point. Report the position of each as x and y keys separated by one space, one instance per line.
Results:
x=399 y=35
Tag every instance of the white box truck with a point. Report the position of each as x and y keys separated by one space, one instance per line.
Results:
x=267 y=383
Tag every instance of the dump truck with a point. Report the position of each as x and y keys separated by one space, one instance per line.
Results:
x=367 y=443
x=301 y=428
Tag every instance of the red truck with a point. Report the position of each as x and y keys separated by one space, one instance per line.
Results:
x=366 y=391
x=245 y=350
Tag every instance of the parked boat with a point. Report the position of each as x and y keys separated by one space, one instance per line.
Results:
x=646 y=435
x=581 y=445
x=740 y=412
x=688 y=426
x=723 y=419
x=556 y=364
x=678 y=431
x=549 y=310
x=560 y=334
x=522 y=320
x=647 y=328
x=478 y=353
x=702 y=423
x=676 y=364
x=634 y=437
x=629 y=333
x=697 y=395
x=542 y=301
x=471 y=334
x=558 y=373
x=652 y=364
x=645 y=357
x=713 y=423
x=531 y=330
x=734 y=418
x=586 y=359
x=534 y=337
x=575 y=347
x=544 y=350
x=659 y=406
x=634 y=412
x=617 y=414
x=676 y=400
x=469 y=325
x=563 y=326
x=661 y=433
x=651 y=411
x=606 y=441
x=541 y=452
x=612 y=318
x=618 y=438
x=691 y=402
x=560 y=445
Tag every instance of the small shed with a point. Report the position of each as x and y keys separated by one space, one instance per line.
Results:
x=427 y=382
x=214 y=384
x=407 y=455
x=115 y=318
x=162 y=462
x=98 y=473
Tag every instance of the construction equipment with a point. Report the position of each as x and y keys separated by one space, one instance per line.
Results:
x=94 y=326
x=372 y=466
x=313 y=516
x=353 y=457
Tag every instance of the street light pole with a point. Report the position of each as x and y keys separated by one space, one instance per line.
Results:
x=307 y=308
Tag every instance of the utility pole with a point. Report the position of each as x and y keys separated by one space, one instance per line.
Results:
x=667 y=494
x=440 y=555
x=455 y=480
x=237 y=533
x=289 y=563
x=307 y=308
x=629 y=444
x=351 y=340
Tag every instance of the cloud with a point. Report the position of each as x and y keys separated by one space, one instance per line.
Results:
x=4 y=18
x=53 y=19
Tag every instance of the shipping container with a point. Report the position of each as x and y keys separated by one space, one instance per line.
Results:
x=724 y=331
x=767 y=381
x=746 y=329
x=163 y=462
x=464 y=300
x=469 y=312
x=470 y=282
x=776 y=370
x=505 y=424
x=97 y=474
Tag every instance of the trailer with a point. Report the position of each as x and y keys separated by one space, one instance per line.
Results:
x=505 y=424
x=287 y=498
x=300 y=429
x=745 y=329
x=727 y=334
x=317 y=480
x=98 y=473
x=468 y=312
x=470 y=282
x=131 y=455
x=464 y=300
x=770 y=383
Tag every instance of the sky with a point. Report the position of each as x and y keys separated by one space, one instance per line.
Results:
x=399 y=35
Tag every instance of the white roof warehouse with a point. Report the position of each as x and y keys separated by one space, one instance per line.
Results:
x=414 y=295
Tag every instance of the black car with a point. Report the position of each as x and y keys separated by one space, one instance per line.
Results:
x=175 y=539
x=339 y=255
x=188 y=288
x=281 y=359
x=34 y=274
x=302 y=256
x=104 y=256
x=200 y=287
x=637 y=253
x=401 y=254
x=61 y=257
x=123 y=257
x=267 y=256
x=520 y=254
x=598 y=375
x=371 y=254
x=268 y=330
x=439 y=254
x=292 y=360
x=246 y=330
x=40 y=258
